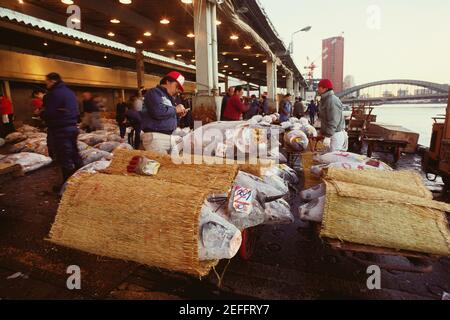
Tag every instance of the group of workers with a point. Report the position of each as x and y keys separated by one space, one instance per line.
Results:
x=157 y=114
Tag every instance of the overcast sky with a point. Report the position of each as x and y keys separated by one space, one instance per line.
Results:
x=384 y=39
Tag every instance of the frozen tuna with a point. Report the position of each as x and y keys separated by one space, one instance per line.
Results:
x=218 y=238
x=313 y=211
x=313 y=193
x=278 y=212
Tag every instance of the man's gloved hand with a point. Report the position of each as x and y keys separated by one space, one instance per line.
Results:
x=327 y=142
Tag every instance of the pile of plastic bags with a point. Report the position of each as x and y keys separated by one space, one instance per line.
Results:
x=252 y=201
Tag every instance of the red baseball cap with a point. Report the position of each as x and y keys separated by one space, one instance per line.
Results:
x=325 y=83
x=178 y=77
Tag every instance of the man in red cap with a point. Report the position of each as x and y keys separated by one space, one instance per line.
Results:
x=332 y=118
x=160 y=113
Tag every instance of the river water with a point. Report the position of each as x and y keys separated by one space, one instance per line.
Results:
x=417 y=118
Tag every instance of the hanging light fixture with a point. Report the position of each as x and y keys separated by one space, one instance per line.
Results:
x=111 y=34
x=115 y=21
x=125 y=1
x=147 y=34
x=164 y=21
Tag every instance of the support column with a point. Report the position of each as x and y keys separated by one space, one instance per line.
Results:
x=226 y=84
x=272 y=83
x=140 y=69
x=122 y=94
x=7 y=89
x=248 y=89
x=290 y=83
x=297 y=88
x=206 y=48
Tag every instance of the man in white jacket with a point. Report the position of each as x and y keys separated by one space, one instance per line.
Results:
x=332 y=118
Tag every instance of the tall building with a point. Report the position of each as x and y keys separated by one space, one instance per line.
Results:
x=349 y=82
x=333 y=61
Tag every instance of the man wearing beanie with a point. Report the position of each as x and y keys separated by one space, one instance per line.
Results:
x=332 y=118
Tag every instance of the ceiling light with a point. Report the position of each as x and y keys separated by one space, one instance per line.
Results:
x=192 y=60
x=170 y=43
x=125 y=1
x=21 y=1
x=218 y=23
x=248 y=74
x=264 y=61
x=179 y=55
x=162 y=50
x=105 y=57
x=236 y=59
x=164 y=21
x=147 y=34
x=139 y=42
x=247 y=47
x=111 y=34
x=187 y=1
x=63 y=1
x=45 y=44
x=225 y=66
x=224 y=71
x=251 y=68
x=230 y=72
x=224 y=53
x=77 y=42
x=284 y=76
x=244 y=64
x=115 y=21
x=190 y=35
x=234 y=37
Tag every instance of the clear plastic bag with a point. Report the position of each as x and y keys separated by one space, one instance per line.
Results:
x=218 y=238
x=278 y=212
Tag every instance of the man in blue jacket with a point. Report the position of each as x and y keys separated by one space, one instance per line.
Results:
x=160 y=113
x=60 y=113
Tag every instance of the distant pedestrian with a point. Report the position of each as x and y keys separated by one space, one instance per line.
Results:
x=134 y=119
x=312 y=111
x=60 y=113
x=6 y=116
x=285 y=108
x=299 y=108
x=253 y=108
x=264 y=104
x=121 y=109
x=91 y=118
x=37 y=103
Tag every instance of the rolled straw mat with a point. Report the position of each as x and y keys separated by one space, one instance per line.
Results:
x=385 y=209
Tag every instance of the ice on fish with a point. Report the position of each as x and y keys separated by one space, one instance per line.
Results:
x=278 y=212
x=283 y=171
x=297 y=140
x=92 y=154
x=265 y=192
x=218 y=238
x=27 y=160
x=313 y=210
x=313 y=193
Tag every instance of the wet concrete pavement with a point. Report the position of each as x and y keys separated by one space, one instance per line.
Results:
x=289 y=262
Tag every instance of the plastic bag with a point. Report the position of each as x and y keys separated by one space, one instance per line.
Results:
x=313 y=210
x=82 y=146
x=94 y=167
x=313 y=193
x=108 y=146
x=244 y=208
x=92 y=154
x=297 y=140
x=218 y=238
x=277 y=182
x=283 y=171
x=15 y=137
x=278 y=212
x=27 y=160
x=143 y=166
x=266 y=191
x=92 y=139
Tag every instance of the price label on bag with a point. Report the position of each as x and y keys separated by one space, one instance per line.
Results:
x=242 y=200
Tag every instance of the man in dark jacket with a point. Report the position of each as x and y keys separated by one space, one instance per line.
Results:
x=160 y=113
x=60 y=114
